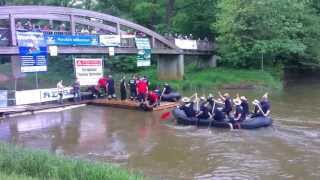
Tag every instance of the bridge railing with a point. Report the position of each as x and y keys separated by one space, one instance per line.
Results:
x=202 y=45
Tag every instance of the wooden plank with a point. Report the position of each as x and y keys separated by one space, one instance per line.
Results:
x=130 y=104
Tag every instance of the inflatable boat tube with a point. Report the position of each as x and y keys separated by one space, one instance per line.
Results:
x=171 y=97
x=252 y=123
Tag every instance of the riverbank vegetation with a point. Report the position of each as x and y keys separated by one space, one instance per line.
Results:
x=18 y=163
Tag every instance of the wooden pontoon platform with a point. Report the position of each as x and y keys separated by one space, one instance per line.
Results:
x=127 y=104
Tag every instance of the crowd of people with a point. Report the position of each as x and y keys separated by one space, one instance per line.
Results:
x=137 y=88
x=224 y=108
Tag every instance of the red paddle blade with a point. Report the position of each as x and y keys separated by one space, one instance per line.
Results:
x=165 y=115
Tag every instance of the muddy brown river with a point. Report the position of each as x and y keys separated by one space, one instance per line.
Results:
x=140 y=141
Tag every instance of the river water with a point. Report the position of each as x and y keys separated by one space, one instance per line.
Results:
x=141 y=142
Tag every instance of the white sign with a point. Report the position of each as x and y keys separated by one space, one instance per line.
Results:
x=28 y=97
x=52 y=94
x=53 y=50
x=186 y=44
x=110 y=40
x=127 y=36
x=111 y=51
x=41 y=95
x=88 y=71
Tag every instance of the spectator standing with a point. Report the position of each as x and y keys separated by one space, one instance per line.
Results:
x=76 y=90
x=111 y=89
x=60 y=91
x=133 y=85
x=123 y=88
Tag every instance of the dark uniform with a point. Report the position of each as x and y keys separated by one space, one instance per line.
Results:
x=123 y=90
x=188 y=109
x=133 y=90
x=245 y=107
x=167 y=89
x=204 y=112
x=111 y=90
x=227 y=107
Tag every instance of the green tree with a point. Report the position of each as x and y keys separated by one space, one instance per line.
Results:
x=275 y=29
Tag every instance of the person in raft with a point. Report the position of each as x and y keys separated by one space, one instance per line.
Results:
x=245 y=105
x=167 y=89
x=204 y=111
x=111 y=89
x=227 y=104
x=239 y=114
x=188 y=107
x=133 y=87
x=262 y=107
x=217 y=114
x=123 y=89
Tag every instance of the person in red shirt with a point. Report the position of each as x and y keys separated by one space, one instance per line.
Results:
x=102 y=84
x=142 y=89
x=152 y=100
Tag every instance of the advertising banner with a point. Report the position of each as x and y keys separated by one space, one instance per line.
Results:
x=70 y=40
x=28 y=97
x=52 y=94
x=41 y=95
x=144 y=52
x=186 y=44
x=3 y=98
x=110 y=40
x=32 y=51
x=88 y=71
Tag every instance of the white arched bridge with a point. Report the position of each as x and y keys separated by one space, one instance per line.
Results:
x=69 y=21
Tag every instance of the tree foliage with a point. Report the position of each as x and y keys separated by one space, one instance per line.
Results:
x=277 y=29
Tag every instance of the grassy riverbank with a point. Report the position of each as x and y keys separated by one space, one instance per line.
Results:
x=213 y=78
x=194 y=78
x=18 y=163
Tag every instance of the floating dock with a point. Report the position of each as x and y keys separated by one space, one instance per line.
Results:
x=30 y=109
x=127 y=104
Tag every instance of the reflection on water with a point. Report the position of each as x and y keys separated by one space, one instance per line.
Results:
x=140 y=141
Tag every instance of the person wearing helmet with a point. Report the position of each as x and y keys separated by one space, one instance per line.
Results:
x=188 y=107
x=204 y=111
x=262 y=107
x=245 y=105
x=227 y=104
x=167 y=89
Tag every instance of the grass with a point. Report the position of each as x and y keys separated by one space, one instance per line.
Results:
x=16 y=162
x=212 y=78
x=15 y=177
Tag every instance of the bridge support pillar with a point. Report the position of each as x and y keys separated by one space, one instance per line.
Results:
x=208 y=61
x=170 y=67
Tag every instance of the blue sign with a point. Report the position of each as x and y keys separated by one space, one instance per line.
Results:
x=70 y=40
x=32 y=51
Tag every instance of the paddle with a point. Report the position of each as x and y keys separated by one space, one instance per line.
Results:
x=258 y=105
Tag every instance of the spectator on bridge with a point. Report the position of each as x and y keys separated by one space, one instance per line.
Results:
x=84 y=31
x=28 y=25
x=19 y=26
x=111 y=89
x=62 y=27
x=46 y=28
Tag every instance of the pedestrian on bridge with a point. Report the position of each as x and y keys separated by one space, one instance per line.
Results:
x=60 y=88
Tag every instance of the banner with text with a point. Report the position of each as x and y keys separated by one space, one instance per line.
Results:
x=88 y=71
x=70 y=40
x=41 y=95
x=32 y=51
x=186 y=44
x=144 y=52
x=110 y=40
